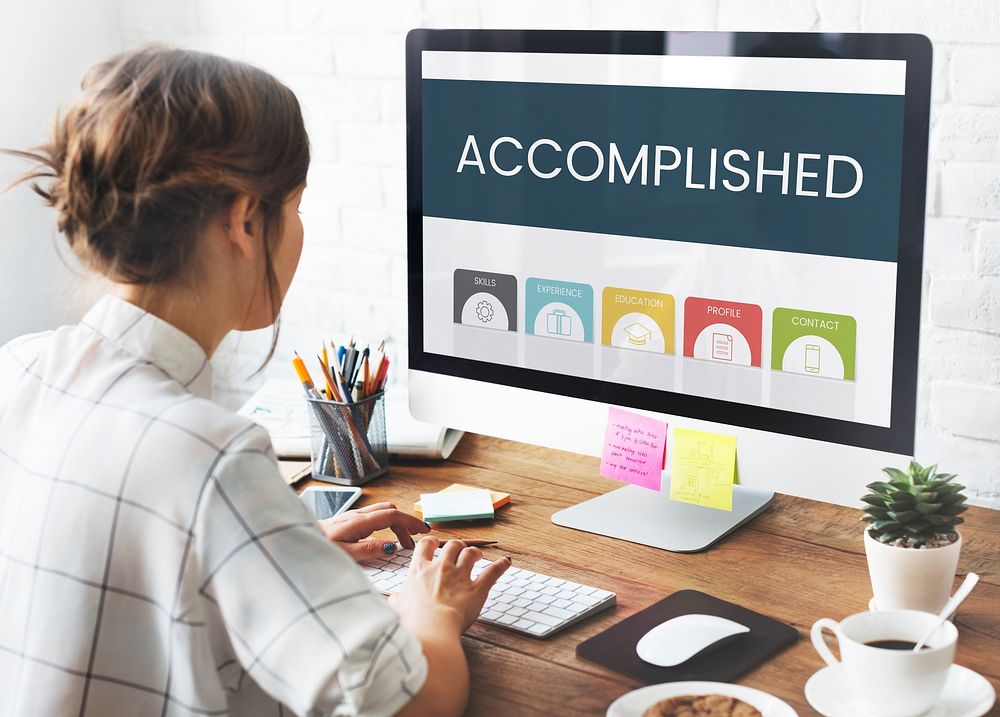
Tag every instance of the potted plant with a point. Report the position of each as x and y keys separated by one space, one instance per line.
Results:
x=911 y=541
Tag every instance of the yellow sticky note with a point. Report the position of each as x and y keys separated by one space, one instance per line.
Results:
x=703 y=468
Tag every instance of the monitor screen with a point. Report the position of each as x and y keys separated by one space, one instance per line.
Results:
x=716 y=235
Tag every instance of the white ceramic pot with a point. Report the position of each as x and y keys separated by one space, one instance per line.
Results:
x=909 y=578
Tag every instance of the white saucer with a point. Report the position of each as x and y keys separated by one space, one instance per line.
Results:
x=634 y=703
x=965 y=694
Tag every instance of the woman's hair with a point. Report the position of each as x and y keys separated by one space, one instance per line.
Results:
x=159 y=141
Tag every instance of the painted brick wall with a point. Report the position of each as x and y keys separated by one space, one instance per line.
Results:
x=345 y=62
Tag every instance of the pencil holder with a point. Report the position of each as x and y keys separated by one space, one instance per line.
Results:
x=347 y=440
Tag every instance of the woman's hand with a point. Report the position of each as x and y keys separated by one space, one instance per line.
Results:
x=350 y=530
x=443 y=587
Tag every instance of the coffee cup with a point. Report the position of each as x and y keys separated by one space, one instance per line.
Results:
x=890 y=680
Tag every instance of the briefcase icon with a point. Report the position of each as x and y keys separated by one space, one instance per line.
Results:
x=558 y=323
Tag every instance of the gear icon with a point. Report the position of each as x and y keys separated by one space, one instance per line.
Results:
x=484 y=311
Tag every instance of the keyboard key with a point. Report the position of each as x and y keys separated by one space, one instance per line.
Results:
x=546 y=599
x=521 y=602
x=516 y=611
x=524 y=624
x=538 y=629
x=549 y=620
x=602 y=594
x=490 y=615
x=507 y=619
x=561 y=603
x=559 y=613
x=530 y=594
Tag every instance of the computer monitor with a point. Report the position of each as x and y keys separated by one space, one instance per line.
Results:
x=723 y=229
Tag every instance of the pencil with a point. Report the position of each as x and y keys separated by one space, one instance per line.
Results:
x=324 y=362
x=470 y=543
x=303 y=373
x=331 y=392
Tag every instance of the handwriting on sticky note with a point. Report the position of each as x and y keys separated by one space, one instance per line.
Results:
x=703 y=468
x=633 y=448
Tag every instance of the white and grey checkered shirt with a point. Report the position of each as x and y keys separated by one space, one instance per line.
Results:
x=152 y=562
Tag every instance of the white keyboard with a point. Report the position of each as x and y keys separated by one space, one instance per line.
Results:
x=523 y=601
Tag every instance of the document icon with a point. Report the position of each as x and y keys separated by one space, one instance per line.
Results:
x=722 y=347
x=558 y=323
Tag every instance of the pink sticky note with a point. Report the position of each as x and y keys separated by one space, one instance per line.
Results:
x=634 y=448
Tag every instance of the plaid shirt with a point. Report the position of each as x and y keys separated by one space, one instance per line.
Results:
x=152 y=562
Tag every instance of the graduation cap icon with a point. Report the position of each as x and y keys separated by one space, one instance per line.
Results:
x=638 y=335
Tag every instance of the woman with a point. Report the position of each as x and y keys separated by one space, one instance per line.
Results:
x=152 y=562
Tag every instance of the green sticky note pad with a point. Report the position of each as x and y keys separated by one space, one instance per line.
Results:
x=703 y=469
x=456 y=505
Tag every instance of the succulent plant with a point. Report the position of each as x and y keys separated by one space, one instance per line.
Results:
x=916 y=505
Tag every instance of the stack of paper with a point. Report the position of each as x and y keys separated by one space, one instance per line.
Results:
x=498 y=498
x=280 y=407
x=448 y=505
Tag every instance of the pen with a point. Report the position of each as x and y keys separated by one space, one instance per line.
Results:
x=356 y=369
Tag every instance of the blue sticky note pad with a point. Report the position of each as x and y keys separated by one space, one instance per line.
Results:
x=456 y=505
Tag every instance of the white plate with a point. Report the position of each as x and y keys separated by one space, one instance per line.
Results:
x=634 y=703
x=965 y=694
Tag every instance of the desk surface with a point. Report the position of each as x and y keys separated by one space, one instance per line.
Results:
x=799 y=561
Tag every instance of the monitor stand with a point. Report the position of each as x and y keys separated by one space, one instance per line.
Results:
x=639 y=515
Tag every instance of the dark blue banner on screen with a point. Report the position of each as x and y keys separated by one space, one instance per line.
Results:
x=814 y=173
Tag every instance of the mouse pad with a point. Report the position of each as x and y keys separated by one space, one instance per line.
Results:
x=615 y=647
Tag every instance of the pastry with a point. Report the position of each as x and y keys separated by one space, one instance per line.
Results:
x=701 y=706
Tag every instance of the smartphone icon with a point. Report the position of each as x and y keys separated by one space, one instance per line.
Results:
x=812 y=358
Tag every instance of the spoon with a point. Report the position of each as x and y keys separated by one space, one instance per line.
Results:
x=949 y=607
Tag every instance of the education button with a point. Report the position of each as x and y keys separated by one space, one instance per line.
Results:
x=641 y=320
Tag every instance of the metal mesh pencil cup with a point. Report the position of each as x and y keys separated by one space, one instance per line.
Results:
x=347 y=440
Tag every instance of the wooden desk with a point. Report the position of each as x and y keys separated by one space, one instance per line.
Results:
x=799 y=561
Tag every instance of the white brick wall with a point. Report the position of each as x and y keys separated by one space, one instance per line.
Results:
x=344 y=59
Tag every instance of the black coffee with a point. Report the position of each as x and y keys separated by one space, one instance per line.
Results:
x=894 y=644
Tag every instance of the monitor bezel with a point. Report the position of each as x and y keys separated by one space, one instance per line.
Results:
x=914 y=49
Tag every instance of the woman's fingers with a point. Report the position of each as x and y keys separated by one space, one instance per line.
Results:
x=424 y=552
x=368 y=549
x=371 y=508
x=364 y=524
x=491 y=573
x=404 y=537
x=467 y=558
x=451 y=550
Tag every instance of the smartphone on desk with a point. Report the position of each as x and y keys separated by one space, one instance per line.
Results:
x=328 y=501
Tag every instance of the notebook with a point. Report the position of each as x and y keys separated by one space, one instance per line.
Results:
x=615 y=647
x=280 y=408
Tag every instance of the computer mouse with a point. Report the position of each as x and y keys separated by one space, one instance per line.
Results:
x=679 y=639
